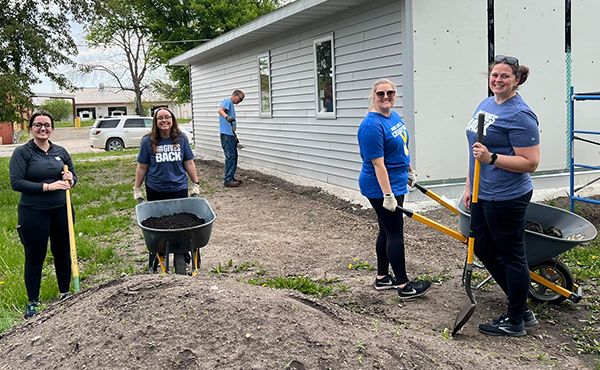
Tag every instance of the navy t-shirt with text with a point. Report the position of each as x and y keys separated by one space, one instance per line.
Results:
x=165 y=171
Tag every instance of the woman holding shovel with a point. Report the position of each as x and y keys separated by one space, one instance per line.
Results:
x=386 y=169
x=509 y=153
x=36 y=171
x=164 y=159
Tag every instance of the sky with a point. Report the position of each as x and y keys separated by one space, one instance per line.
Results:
x=108 y=56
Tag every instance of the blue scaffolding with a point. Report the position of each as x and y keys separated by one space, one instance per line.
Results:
x=573 y=137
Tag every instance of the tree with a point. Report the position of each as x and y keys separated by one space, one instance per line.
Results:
x=59 y=109
x=119 y=25
x=169 y=22
x=34 y=39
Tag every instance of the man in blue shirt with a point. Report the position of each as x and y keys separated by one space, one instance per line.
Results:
x=227 y=127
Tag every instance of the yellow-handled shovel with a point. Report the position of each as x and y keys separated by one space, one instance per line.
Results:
x=74 y=264
x=469 y=308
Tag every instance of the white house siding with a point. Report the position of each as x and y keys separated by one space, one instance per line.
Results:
x=368 y=45
x=450 y=57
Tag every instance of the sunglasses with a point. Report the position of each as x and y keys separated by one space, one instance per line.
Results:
x=39 y=125
x=239 y=97
x=509 y=60
x=389 y=93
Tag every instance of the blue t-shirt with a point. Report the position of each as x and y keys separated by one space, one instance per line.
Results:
x=224 y=126
x=509 y=125
x=380 y=136
x=165 y=171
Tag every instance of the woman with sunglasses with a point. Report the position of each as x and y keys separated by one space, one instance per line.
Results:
x=509 y=153
x=164 y=159
x=386 y=170
x=36 y=171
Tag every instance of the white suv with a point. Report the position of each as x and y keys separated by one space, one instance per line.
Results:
x=117 y=133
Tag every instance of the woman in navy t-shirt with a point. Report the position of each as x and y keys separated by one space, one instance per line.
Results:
x=509 y=153
x=386 y=170
x=164 y=159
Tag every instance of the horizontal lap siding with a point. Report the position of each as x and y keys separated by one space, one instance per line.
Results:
x=368 y=45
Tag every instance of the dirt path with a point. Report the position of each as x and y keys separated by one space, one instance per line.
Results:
x=268 y=228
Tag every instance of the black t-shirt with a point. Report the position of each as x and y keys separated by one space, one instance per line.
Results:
x=31 y=168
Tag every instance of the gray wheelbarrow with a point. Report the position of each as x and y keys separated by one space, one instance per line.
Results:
x=161 y=242
x=542 y=251
x=551 y=280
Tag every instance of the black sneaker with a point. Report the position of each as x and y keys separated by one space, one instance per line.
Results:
x=31 y=309
x=388 y=282
x=64 y=296
x=414 y=289
x=503 y=326
x=529 y=319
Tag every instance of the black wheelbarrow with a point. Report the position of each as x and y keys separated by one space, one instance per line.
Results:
x=542 y=251
x=161 y=242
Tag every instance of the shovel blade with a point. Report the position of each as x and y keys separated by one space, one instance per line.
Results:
x=463 y=316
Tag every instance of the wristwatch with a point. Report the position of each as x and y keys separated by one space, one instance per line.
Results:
x=494 y=157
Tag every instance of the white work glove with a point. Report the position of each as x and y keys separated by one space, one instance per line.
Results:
x=389 y=202
x=137 y=194
x=195 y=189
x=240 y=146
x=412 y=178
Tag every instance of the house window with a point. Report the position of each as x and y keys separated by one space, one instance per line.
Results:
x=264 y=87
x=324 y=77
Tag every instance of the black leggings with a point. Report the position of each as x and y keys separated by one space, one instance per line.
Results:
x=499 y=234
x=35 y=227
x=390 y=241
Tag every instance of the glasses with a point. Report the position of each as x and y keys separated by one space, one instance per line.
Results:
x=39 y=125
x=389 y=93
x=165 y=118
x=239 y=97
x=509 y=60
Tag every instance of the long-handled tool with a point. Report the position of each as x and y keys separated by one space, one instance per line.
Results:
x=469 y=308
x=74 y=264
x=239 y=146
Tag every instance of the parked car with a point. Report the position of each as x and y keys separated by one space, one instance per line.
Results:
x=117 y=133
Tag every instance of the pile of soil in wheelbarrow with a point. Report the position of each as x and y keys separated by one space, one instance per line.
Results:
x=177 y=221
x=537 y=228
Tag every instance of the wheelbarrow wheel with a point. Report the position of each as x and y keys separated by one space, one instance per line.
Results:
x=557 y=273
x=179 y=263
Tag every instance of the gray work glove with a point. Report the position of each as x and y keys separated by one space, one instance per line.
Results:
x=230 y=119
x=412 y=178
x=137 y=194
x=240 y=146
x=195 y=189
x=389 y=202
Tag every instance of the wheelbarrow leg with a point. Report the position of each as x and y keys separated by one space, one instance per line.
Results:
x=194 y=258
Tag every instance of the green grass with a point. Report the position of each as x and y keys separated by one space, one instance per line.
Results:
x=86 y=123
x=306 y=285
x=104 y=218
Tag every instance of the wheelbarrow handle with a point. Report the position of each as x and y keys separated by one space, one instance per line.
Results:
x=437 y=198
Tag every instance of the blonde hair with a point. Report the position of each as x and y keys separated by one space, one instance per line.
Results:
x=381 y=81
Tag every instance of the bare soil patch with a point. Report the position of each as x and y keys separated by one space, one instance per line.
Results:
x=270 y=228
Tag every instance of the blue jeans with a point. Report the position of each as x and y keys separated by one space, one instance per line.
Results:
x=231 y=156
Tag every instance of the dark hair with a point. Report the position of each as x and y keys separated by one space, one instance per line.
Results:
x=238 y=93
x=520 y=71
x=155 y=132
x=37 y=114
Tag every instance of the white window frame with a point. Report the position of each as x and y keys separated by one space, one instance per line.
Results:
x=268 y=114
x=318 y=114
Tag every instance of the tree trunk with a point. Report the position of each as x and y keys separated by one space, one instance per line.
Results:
x=139 y=108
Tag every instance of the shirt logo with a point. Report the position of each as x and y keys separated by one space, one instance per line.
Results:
x=58 y=158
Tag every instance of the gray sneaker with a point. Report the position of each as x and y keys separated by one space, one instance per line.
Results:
x=529 y=319
x=503 y=326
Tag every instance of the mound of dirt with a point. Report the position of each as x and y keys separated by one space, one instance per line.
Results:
x=268 y=228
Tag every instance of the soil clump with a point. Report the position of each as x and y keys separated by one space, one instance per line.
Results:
x=181 y=220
